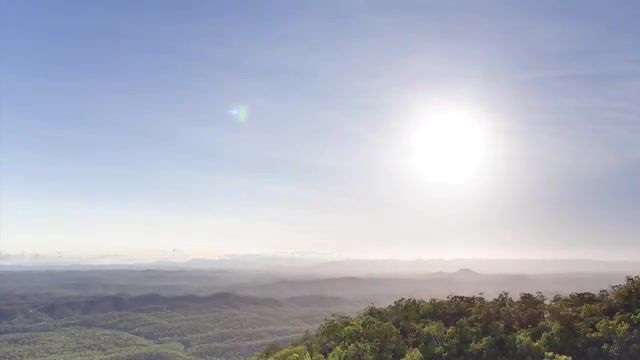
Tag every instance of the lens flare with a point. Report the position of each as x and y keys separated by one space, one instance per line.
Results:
x=240 y=113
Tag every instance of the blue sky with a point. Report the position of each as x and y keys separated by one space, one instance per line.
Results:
x=116 y=132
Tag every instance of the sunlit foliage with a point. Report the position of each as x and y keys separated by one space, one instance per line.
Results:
x=579 y=326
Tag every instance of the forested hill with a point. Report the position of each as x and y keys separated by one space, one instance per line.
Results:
x=154 y=327
x=579 y=326
x=65 y=308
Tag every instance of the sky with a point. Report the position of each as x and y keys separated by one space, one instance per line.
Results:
x=202 y=128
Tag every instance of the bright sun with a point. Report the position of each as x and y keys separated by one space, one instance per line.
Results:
x=450 y=145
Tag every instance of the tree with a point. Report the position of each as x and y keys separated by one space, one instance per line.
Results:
x=603 y=326
x=413 y=354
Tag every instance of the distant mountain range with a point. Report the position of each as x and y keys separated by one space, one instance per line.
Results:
x=324 y=266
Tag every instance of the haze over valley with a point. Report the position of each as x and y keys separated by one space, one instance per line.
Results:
x=319 y=180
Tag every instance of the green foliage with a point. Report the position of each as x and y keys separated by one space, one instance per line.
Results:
x=580 y=326
x=413 y=354
x=292 y=353
x=189 y=328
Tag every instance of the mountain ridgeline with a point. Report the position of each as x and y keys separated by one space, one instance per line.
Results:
x=580 y=326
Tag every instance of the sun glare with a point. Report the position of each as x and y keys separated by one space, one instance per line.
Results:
x=450 y=145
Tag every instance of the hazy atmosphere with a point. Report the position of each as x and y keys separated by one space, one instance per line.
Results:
x=319 y=180
x=370 y=129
